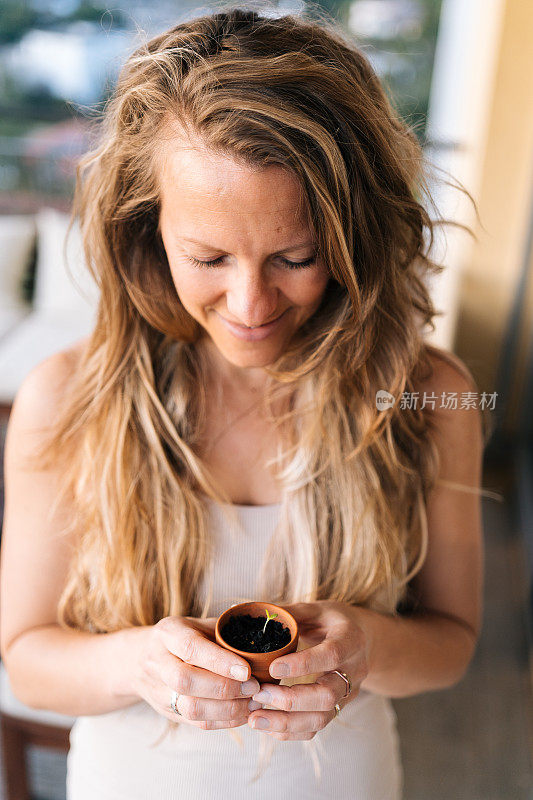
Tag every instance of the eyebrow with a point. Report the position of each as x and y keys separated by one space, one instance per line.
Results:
x=277 y=253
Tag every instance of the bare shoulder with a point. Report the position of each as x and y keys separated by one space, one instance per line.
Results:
x=449 y=373
x=36 y=402
x=456 y=423
x=51 y=375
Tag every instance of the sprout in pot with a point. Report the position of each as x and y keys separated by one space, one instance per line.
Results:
x=255 y=634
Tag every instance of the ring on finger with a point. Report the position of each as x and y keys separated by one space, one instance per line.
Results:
x=347 y=681
x=174 y=704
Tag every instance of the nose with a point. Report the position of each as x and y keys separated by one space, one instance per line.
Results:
x=251 y=300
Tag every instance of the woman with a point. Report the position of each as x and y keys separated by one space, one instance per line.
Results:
x=252 y=216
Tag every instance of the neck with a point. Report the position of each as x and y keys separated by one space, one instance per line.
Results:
x=243 y=383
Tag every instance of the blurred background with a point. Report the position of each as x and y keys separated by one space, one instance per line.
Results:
x=460 y=72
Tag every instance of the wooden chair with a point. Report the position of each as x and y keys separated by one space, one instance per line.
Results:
x=22 y=727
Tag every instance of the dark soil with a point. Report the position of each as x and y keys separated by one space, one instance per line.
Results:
x=246 y=633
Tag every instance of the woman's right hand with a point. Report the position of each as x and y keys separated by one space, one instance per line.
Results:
x=181 y=654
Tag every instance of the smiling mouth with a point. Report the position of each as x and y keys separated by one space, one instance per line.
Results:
x=253 y=327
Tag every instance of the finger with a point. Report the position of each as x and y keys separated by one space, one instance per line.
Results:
x=303 y=697
x=339 y=686
x=185 y=679
x=205 y=624
x=195 y=647
x=294 y=722
x=322 y=657
x=162 y=705
x=317 y=614
x=196 y=709
x=304 y=612
x=211 y=725
x=206 y=725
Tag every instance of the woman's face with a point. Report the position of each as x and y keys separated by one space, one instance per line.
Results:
x=262 y=251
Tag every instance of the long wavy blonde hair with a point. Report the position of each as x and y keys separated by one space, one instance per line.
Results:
x=292 y=91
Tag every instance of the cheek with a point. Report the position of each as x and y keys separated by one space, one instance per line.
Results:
x=193 y=288
x=310 y=289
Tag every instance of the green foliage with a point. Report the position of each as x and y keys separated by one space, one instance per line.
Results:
x=15 y=19
x=94 y=12
x=411 y=100
x=409 y=93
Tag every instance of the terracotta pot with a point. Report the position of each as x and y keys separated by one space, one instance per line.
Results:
x=259 y=662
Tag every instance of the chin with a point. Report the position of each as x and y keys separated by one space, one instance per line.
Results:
x=250 y=359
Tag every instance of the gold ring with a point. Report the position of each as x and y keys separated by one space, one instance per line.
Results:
x=348 y=682
x=337 y=709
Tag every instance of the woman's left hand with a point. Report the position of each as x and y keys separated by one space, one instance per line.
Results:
x=338 y=641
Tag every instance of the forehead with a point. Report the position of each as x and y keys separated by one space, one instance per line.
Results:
x=195 y=180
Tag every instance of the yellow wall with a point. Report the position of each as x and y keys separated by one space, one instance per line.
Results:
x=490 y=278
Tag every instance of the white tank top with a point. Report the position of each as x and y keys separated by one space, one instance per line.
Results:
x=126 y=755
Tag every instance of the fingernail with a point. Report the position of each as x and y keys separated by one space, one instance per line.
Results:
x=261 y=722
x=264 y=696
x=241 y=673
x=279 y=670
x=253 y=706
x=250 y=687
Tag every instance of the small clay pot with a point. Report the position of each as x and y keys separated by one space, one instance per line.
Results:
x=259 y=662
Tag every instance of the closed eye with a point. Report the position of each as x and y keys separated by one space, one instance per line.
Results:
x=287 y=264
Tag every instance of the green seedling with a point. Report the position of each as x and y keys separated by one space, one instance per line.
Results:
x=269 y=617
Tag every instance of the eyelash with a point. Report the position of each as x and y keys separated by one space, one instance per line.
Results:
x=289 y=264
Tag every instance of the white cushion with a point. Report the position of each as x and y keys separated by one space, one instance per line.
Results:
x=9 y=704
x=38 y=336
x=17 y=238
x=61 y=286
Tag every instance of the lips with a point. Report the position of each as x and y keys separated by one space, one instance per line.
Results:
x=251 y=328
x=253 y=334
